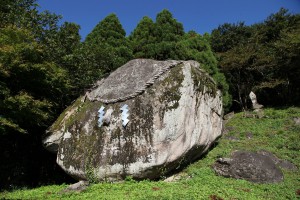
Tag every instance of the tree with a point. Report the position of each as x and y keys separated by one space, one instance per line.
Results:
x=30 y=98
x=30 y=86
x=264 y=60
x=143 y=39
x=17 y=12
x=157 y=40
x=167 y=28
x=62 y=49
x=33 y=83
x=227 y=36
x=108 y=49
x=167 y=33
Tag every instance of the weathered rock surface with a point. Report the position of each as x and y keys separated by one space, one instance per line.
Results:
x=260 y=167
x=284 y=164
x=144 y=120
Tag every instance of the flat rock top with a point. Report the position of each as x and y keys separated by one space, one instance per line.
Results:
x=129 y=80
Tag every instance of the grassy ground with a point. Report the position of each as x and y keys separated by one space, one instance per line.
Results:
x=276 y=132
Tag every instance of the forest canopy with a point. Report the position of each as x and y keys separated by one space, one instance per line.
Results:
x=263 y=57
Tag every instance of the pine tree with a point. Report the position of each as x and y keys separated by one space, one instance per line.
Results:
x=143 y=39
x=107 y=46
x=158 y=40
x=167 y=33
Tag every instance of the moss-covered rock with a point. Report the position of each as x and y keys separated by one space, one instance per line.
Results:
x=171 y=122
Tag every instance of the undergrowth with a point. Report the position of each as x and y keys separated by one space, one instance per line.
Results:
x=276 y=132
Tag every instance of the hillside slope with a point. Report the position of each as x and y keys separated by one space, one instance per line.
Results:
x=278 y=132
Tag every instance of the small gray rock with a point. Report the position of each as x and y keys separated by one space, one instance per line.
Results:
x=231 y=138
x=79 y=186
x=297 y=120
x=249 y=135
x=229 y=116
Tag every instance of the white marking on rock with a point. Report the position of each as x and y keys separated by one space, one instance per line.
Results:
x=125 y=115
x=100 y=115
x=67 y=135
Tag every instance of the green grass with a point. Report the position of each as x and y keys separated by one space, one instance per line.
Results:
x=275 y=132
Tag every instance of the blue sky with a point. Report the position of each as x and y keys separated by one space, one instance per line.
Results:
x=199 y=15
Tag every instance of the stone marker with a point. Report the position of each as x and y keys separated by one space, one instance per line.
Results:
x=256 y=106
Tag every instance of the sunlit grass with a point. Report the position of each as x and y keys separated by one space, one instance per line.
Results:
x=276 y=132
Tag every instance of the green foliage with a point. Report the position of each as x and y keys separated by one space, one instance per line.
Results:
x=34 y=88
x=263 y=58
x=129 y=179
x=90 y=174
x=62 y=49
x=7 y=125
x=167 y=33
x=110 y=29
x=227 y=36
x=31 y=87
x=275 y=133
x=105 y=49
x=59 y=42
x=157 y=40
x=108 y=46
x=143 y=39
x=62 y=43
x=17 y=12
x=167 y=28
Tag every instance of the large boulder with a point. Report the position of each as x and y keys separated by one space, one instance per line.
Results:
x=260 y=167
x=144 y=120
